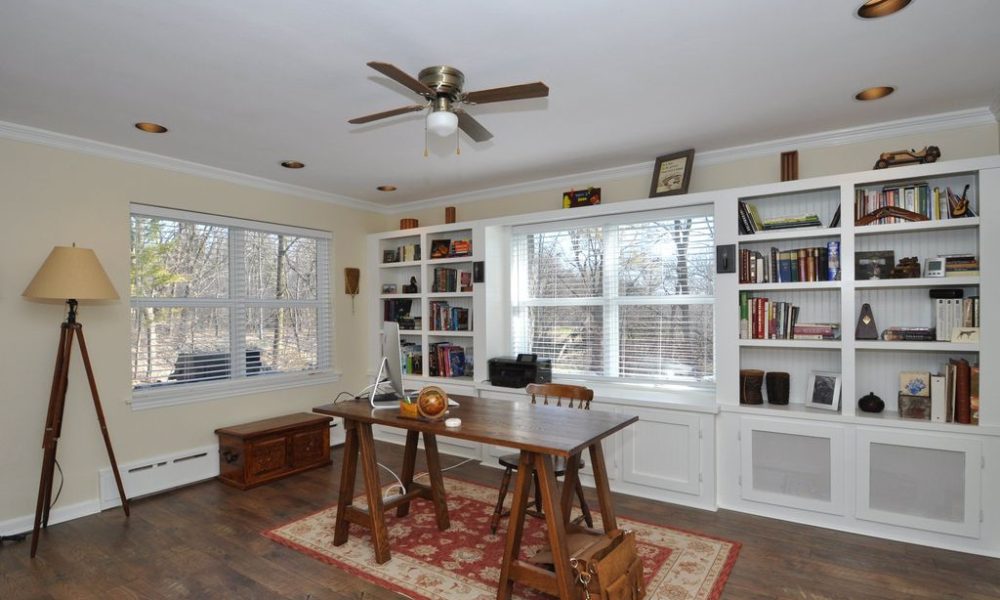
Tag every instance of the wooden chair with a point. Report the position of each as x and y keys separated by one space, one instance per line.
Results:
x=569 y=396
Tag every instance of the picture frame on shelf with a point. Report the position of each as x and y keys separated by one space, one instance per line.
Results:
x=964 y=335
x=823 y=390
x=440 y=248
x=876 y=264
x=389 y=256
x=671 y=174
x=389 y=288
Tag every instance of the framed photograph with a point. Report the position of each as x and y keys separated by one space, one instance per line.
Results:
x=440 y=248
x=389 y=256
x=389 y=288
x=874 y=265
x=823 y=390
x=964 y=335
x=671 y=174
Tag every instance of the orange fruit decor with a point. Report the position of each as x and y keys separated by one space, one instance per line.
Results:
x=433 y=402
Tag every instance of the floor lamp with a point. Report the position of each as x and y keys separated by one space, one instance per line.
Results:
x=68 y=274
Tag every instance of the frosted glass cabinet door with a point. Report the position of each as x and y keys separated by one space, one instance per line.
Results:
x=929 y=482
x=794 y=464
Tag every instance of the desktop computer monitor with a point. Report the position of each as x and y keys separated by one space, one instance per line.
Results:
x=393 y=356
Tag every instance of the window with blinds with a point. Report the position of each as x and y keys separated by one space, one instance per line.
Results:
x=629 y=297
x=220 y=301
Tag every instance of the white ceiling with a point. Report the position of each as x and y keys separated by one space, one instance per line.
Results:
x=244 y=84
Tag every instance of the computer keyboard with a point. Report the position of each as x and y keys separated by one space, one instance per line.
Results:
x=387 y=397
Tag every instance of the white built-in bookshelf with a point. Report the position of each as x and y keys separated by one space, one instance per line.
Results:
x=440 y=314
x=873 y=472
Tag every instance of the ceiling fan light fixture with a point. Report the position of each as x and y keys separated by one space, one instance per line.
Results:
x=874 y=93
x=386 y=188
x=442 y=122
x=872 y=9
x=292 y=164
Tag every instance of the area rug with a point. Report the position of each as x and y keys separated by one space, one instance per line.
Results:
x=463 y=563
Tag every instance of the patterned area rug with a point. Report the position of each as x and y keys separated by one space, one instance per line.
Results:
x=463 y=563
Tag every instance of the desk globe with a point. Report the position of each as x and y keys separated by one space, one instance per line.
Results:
x=432 y=402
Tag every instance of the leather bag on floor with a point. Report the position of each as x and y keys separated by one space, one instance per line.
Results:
x=610 y=568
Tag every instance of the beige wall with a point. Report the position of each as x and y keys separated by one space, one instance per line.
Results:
x=831 y=160
x=53 y=197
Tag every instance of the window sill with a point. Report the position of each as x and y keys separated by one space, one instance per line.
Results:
x=189 y=394
x=672 y=397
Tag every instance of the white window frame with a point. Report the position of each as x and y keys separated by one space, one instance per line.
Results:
x=239 y=384
x=610 y=301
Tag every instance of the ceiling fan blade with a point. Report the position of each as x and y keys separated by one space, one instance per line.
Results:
x=510 y=92
x=387 y=114
x=472 y=127
x=399 y=76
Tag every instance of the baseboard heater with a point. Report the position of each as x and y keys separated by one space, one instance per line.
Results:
x=159 y=474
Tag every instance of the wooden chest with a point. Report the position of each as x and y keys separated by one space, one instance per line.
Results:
x=262 y=451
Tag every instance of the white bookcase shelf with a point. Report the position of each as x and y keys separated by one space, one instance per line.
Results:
x=417 y=307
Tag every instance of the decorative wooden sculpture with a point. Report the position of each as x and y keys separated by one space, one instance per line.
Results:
x=907 y=268
x=904 y=157
x=890 y=211
x=866 y=329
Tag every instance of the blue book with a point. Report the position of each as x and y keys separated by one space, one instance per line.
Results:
x=833 y=261
x=784 y=268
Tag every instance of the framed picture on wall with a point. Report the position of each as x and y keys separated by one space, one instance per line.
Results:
x=671 y=174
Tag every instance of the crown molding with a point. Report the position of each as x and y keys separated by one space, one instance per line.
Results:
x=951 y=120
x=23 y=133
x=837 y=137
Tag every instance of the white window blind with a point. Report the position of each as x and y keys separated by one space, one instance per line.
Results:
x=628 y=297
x=217 y=301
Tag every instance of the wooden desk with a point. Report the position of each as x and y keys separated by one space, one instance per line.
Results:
x=539 y=432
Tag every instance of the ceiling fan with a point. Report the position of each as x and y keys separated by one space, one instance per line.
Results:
x=441 y=87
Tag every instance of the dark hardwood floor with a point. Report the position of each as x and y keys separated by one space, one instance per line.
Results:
x=204 y=541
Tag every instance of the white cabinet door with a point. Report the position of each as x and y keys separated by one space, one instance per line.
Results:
x=663 y=450
x=794 y=464
x=930 y=482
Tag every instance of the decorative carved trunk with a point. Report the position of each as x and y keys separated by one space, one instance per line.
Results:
x=256 y=453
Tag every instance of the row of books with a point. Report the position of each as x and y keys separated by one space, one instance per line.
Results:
x=411 y=357
x=450 y=248
x=448 y=360
x=407 y=253
x=952 y=313
x=957 y=265
x=762 y=319
x=934 y=204
x=444 y=317
x=451 y=280
x=750 y=221
x=782 y=266
x=953 y=392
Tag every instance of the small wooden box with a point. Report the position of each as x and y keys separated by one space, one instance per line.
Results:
x=256 y=453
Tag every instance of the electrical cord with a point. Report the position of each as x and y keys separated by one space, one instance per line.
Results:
x=19 y=537
x=399 y=482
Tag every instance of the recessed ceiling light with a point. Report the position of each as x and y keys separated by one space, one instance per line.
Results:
x=150 y=127
x=292 y=164
x=874 y=93
x=386 y=188
x=879 y=8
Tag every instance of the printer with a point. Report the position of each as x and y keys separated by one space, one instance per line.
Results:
x=519 y=372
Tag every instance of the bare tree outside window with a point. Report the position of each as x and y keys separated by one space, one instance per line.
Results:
x=631 y=301
x=213 y=302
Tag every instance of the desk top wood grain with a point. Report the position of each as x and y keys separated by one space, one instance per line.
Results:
x=545 y=429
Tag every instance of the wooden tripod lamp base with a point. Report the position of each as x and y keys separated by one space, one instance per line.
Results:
x=73 y=273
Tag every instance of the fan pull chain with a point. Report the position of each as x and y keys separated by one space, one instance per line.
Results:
x=458 y=143
x=425 y=138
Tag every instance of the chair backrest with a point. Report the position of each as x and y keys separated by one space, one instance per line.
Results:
x=570 y=396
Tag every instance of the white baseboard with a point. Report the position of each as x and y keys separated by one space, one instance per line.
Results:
x=159 y=474
x=59 y=514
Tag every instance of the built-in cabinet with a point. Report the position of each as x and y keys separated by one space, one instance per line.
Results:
x=878 y=474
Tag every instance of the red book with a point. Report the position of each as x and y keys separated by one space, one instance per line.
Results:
x=963 y=389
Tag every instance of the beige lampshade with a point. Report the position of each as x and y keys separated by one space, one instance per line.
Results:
x=71 y=274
